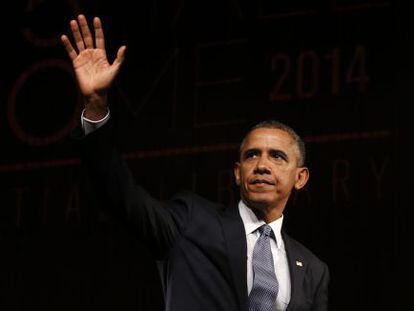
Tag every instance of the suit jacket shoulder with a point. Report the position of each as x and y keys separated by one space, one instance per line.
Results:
x=306 y=253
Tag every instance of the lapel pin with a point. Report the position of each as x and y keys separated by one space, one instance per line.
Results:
x=299 y=263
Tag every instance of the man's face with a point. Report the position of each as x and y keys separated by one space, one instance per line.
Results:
x=268 y=169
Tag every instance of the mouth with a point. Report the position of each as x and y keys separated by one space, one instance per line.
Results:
x=261 y=181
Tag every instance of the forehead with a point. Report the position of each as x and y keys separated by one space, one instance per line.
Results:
x=269 y=138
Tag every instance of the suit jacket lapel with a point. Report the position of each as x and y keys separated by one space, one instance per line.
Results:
x=234 y=234
x=297 y=268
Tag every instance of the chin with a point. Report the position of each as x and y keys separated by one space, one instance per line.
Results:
x=258 y=202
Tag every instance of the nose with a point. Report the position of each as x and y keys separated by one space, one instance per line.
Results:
x=262 y=166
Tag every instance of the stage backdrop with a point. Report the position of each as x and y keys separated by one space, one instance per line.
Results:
x=196 y=76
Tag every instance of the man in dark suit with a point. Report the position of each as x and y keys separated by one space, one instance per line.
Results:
x=211 y=258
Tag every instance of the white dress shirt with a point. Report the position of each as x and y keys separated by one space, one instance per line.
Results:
x=251 y=224
x=89 y=126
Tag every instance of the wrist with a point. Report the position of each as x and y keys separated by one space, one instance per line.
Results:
x=96 y=108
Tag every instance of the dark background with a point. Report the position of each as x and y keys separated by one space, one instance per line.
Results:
x=197 y=75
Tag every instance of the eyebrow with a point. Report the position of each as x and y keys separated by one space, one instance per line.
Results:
x=257 y=150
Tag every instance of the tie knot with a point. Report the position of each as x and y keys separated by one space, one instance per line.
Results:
x=265 y=230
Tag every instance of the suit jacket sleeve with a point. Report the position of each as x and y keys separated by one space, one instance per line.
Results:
x=157 y=223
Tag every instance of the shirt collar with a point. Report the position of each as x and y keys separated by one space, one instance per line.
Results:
x=252 y=223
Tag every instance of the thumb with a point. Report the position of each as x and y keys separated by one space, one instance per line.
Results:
x=120 y=56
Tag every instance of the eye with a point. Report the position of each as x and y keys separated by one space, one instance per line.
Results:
x=251 y=154
x=278 y=155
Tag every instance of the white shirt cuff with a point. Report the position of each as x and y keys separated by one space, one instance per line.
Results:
x=89 y=126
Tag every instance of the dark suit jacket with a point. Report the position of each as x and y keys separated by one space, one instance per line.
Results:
x=201 y=246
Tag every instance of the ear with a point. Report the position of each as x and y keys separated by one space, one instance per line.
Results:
x=302 y=176
x=237 y=173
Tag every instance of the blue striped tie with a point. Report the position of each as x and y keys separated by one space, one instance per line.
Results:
x=265 y=285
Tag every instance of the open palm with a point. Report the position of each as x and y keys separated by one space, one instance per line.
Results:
x=94 y=73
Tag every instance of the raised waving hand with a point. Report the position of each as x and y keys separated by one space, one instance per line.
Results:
x=94 y=73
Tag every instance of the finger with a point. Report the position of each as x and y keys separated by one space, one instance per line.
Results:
x=120 y=56
x=77 y=36
x=68 y=46
x=87 y=36
x=99 y=35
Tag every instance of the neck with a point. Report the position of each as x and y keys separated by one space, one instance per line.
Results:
x=264 y=212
